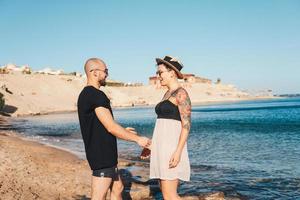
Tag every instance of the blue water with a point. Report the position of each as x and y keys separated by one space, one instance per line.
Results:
x=248 y=149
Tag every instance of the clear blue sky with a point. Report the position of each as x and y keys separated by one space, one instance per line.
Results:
x=252 y=44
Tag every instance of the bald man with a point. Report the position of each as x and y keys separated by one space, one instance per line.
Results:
x=99 y=132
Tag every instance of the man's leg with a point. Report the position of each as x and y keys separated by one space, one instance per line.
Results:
x=100 y=186
x=116 y=189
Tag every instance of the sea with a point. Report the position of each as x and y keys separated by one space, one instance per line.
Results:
x=246 y=149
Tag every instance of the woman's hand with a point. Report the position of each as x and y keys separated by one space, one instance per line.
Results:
x=175 y=159
x=145 y=154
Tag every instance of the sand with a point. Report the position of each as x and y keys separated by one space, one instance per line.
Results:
x=30 y=170
x=35 y=94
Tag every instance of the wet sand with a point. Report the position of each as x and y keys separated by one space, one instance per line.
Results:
x=30 y=170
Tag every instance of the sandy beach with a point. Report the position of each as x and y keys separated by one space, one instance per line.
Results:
x=30 y=170
x=33 y=94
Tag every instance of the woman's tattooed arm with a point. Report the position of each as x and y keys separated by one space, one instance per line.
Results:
x=184 y=106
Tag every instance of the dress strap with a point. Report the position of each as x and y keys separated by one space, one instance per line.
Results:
x=172 y=93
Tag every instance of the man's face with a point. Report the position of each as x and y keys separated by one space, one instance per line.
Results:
x=103 y=76
x=101 y=73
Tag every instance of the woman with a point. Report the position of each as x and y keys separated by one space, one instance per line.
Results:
x=169 y=159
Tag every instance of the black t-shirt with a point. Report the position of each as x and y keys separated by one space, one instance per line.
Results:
x=100 y=145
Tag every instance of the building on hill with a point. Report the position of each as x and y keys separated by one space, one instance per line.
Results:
x=188 y=79
x=153 y=80
x=114 y=83
x=133 y=84
x=50 y=71
x=12 y=68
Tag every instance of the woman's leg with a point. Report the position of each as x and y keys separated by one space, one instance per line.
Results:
x=169 y=189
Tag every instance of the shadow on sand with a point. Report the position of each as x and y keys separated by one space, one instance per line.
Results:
x=8 y=110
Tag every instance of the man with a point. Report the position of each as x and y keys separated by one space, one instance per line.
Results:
x=99 y=132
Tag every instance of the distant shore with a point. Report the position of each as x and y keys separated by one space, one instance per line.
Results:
x=148 y=106
x=38 y=94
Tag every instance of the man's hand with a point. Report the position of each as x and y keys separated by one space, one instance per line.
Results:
x=131 y=129
x=144 y=142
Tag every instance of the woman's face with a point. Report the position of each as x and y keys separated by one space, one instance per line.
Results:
x=164 y=74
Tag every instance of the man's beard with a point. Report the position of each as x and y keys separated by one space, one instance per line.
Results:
x=102 y=82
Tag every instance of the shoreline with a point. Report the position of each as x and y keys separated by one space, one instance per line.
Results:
x=34 y=170
x=199 y=103
x=43 y=94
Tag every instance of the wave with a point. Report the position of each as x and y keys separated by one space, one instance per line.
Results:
x=54 y=134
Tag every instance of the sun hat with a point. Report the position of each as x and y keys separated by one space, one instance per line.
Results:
x=173 y=63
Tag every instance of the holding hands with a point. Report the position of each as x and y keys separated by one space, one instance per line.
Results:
x=142 y=141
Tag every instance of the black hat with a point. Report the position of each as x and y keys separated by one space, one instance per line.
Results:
x=173 y=63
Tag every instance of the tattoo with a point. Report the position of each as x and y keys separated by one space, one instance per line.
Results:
x=174 y=93
x=165 y=95
x=185 y=106
x=168 y=94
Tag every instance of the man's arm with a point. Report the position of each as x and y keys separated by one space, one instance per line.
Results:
x=114 y=128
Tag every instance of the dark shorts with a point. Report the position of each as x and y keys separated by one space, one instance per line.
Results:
x=111 y=172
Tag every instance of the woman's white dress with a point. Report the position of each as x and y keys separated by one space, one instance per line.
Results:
x=164 y=143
